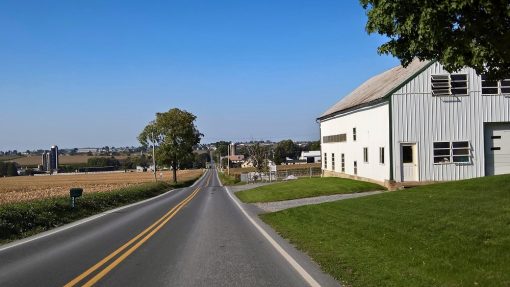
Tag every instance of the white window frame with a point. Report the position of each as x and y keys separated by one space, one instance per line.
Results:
x=499 y=87
x=333 y=161
x=325 y=160
x=451 y=156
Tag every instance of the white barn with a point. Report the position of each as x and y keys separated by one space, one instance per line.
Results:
x=419 y=124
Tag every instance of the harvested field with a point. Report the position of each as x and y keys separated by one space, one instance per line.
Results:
x=35 y=160
x=25 y=188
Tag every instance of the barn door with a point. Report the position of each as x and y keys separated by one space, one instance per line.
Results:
x=409 y=162
x=497 y=148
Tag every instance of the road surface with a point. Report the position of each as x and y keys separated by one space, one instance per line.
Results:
x=196 y=236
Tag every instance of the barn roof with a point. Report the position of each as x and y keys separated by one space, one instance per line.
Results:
x=378 y=87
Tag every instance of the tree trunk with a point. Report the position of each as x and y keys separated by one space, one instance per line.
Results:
x=174 y=168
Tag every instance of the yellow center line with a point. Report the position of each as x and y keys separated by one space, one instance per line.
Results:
x=167 y=216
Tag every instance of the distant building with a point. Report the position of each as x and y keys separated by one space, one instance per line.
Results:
x=49 y=159
x=312 y=156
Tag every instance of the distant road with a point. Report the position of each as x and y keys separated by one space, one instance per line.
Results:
x=196 y=236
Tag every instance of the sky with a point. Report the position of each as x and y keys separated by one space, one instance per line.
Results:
x=93 y=73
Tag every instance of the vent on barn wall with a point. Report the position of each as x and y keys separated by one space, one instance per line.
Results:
x=440 y=85
x=449 y=85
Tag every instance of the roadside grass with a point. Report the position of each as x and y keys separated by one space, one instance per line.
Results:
x=451 y=234
x=229 y=179
x=23 y=219
x=305 y=187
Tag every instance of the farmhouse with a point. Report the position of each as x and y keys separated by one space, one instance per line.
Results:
x=419 y=124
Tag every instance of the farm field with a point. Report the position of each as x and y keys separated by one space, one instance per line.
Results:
x=25 y=188
x=35 y=160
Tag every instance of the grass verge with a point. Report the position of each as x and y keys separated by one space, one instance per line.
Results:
x=229 y=179
x=20 y=220
x=305 y=187
x=451 y=234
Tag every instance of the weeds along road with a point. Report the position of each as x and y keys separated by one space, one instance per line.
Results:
x=196 y=236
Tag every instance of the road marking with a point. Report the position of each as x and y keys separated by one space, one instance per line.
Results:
x=299 y=269
x=159 y=224
x=85 y=220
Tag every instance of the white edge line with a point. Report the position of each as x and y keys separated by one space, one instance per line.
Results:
x=306 y=276
x=85 y=220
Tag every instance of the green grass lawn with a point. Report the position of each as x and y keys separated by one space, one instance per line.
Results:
x=229 y=179
x=305 y=187
x=451 y=234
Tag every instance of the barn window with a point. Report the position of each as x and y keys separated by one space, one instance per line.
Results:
x=355 y=167
x=342 y=162
x=381 y=155
x=325 y=161
x=442 y=152
x=492 y=87
x=461 y=151
x=354 y=134
x=446 y=85
x=459 y=84
x=333 y=161
x=365 y=154
x=457 y=152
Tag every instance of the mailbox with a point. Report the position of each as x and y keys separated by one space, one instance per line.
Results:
x=74 y=193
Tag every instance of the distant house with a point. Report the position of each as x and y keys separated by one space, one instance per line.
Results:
x=419 y=124
x=311 y=156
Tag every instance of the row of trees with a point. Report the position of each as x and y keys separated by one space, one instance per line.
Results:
x=8 y=169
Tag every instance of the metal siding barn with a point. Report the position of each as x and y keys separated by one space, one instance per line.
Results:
x=434 y=137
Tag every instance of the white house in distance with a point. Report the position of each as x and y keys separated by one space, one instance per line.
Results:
x=419 y=124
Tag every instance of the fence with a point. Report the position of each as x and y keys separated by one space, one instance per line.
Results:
x=281 y=175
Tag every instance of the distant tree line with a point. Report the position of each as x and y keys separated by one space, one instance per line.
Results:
x=8 y=169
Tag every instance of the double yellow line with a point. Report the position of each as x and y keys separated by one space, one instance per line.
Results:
x=146 y=234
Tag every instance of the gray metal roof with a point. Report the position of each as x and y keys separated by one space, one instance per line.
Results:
x=377 y=87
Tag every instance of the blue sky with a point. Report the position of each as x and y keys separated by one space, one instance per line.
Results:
x=94 y=73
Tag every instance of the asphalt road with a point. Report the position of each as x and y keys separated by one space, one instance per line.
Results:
x=197 y=236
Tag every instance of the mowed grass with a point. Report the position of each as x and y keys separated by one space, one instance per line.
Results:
x=451 y=234
x=305 y=187
x=26 y=188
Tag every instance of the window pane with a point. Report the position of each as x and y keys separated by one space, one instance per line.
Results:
x=441 y=145
x=459 y=91
x=460 y=144
x=407 y=154
x=458 y=77
x=489 y=91
x=441 y=152
x=461 y=159
x=440 y=159
x=505 y=90
x=464 y=151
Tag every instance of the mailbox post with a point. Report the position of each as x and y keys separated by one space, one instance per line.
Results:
x=74 y=193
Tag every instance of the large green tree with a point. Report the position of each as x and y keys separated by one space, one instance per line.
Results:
x=456 y=33
x=175 y=134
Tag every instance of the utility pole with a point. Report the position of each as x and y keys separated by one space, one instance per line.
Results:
x=228 y=160
x=154 y=156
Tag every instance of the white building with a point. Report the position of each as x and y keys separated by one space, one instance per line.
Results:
x=311 y=156
x=419 y=124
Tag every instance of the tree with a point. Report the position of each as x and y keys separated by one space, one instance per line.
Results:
x=284 y=149
x=12 y=169
x=175 y=134
x=258 y=155
x=455 y=33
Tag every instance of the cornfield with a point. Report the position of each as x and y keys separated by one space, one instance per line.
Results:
x=25 y=188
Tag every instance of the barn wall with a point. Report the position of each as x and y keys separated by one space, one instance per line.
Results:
x=419 y=117
x=372 y=129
